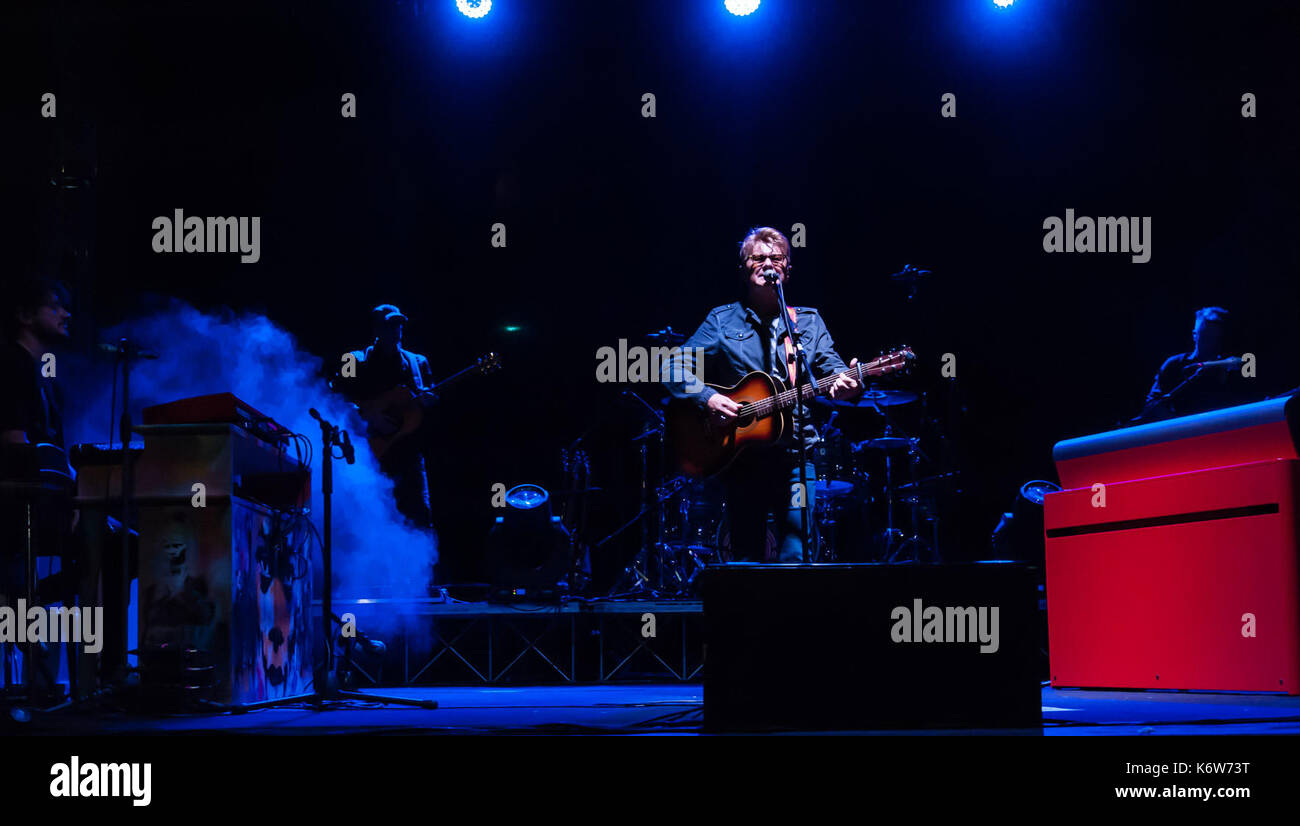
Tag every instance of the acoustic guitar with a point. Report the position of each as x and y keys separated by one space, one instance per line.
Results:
x=397 y=413
x=703 y=446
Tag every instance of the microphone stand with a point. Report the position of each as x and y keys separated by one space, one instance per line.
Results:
x=125 y=354
x=324 y=681
x=802 y=374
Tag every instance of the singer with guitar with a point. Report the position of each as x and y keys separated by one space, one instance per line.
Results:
x=369 y=379
x=737 y=340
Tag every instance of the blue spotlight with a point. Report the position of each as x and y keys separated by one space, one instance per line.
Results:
x=474 y=8
x=1002 y=4
x=740 y=8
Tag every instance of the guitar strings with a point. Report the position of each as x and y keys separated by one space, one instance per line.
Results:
x=765 y=407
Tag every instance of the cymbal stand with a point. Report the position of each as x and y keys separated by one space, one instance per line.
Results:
x=652 y=551
x=900 y=547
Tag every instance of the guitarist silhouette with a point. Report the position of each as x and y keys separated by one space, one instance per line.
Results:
x=391 y=386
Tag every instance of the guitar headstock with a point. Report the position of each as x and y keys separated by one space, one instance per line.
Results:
x=488 y=363
x=895 y=361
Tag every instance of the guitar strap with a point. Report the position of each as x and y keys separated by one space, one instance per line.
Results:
x=789 y=346
x=417 y=381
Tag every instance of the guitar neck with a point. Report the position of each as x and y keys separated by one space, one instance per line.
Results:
x=787 y=399
x=455 y=377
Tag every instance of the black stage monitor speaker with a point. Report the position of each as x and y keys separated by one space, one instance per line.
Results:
x=854 y=647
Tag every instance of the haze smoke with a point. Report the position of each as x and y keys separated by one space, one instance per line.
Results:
x=376 y=552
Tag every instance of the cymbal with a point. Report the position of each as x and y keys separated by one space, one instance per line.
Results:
x=667 y=336
x=883 y=443
x=872 y=397
x=832 y=488
x=939 y=479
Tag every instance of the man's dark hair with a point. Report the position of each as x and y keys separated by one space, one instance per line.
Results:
x=25 y=296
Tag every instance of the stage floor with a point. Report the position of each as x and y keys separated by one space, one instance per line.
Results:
x=675 y=709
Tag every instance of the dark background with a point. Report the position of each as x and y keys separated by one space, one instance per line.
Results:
x=825 y=113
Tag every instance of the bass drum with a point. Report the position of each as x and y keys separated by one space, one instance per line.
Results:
x=723 y=542
x=691 y=517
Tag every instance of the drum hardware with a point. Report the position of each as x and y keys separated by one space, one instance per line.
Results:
x=667 y=337
x=886 y=443
x=832 y=489
x=667 y=566
x=573 y=514
x=871 y=397
x=897 y=545
x=911 y=277
x=663 y=566
x=933 y=481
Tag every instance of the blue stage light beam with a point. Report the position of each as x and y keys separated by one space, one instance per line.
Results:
x=474 y=8
x=740 y=8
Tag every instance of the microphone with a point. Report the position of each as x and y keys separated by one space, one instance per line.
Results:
x=771 y=276
x=125 y=348
x=1230 y=362
x=344 y=441
x=349 y=454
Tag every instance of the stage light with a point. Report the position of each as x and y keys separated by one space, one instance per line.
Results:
x=529 y=552
x=1002 y=4
x=474 y=8
x=740 y=8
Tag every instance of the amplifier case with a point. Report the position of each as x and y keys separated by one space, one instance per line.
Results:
x=229 y=581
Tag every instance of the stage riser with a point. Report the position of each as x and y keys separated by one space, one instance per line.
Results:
x=582 y=645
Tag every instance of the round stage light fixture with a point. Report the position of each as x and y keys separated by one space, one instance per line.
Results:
x=529 y=552
x=474 y=8
x=527 y=497
x=740 y=8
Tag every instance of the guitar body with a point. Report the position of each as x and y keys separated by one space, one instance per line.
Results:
x=390 y=417
x=700 y=446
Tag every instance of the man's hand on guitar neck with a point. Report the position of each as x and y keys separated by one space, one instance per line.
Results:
x=846 y=387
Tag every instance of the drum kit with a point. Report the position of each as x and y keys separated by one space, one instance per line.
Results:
x=876 y=495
